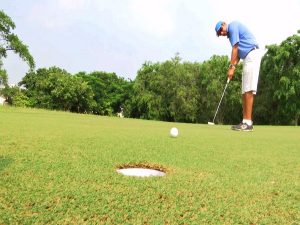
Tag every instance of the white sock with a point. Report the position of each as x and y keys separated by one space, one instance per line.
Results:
x=248 y=122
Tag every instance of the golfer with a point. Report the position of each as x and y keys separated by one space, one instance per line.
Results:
x=244 y=46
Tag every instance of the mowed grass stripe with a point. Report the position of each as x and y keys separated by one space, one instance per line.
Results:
x=59 y=168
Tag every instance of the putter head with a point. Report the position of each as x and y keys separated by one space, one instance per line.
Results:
x=211 y=123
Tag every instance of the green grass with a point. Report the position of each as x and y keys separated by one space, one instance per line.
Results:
x=59 y=168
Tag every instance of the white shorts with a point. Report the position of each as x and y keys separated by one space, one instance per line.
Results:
x=251 y=65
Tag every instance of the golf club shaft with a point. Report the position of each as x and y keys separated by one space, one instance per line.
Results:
x=221 y=100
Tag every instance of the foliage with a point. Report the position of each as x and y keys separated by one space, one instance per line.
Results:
x=166 y=91
x=98 y=93
x=280 y=83
x=10 y=41
x=15 y=96
x=184 y=91
x=110 y=91
x=19 y=98
x=3 y=78
x=55 y=88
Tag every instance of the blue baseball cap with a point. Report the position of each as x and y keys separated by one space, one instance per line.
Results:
x=218 y=26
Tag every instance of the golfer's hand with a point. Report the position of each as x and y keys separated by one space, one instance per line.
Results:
x=230 y=73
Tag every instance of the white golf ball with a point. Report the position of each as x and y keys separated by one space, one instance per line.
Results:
x=174 y=132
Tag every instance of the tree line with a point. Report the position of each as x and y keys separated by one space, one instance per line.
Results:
x=173 y=90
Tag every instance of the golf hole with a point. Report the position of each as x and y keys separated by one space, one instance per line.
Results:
x=141 y=170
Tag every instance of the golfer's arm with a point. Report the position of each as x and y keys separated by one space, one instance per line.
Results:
x=234 y=55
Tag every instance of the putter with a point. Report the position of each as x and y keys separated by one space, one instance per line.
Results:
x=213 y=122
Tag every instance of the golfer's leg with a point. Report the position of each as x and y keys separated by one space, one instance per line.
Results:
x=248 y=98
x=249 y=82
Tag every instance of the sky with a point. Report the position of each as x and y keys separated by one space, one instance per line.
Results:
x=120 y=35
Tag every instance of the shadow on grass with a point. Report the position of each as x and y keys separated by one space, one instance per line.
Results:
x=4 y=162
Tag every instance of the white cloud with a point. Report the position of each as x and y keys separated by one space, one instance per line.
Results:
x=71 y=5
x=153 y=17
x=53 y=14
x=46 y=16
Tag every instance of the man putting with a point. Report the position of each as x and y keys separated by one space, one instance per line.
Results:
x=244 y=46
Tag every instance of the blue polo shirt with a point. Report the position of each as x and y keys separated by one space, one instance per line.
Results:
x=238 y=33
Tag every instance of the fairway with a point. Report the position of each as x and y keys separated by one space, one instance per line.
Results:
x=60 y=168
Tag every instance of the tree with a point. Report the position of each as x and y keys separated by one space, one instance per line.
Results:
x=3 y=78
x=148 y=93
x=55 y=88
x=110 y=91
x=16 y=96
x=181 y=95
x=185 y=92
x=4 y=83
x=10 y=41
x=280 y=83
